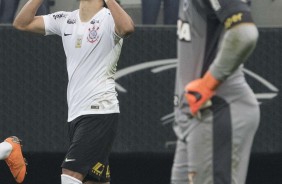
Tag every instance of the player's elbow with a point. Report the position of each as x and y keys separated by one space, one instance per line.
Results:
x=244 y=37
x=127 y=30
x=249 y=35
x=252 y=35
x=18 y=25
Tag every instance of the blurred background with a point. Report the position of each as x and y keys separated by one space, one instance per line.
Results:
x=33 y=82
x=265 y=12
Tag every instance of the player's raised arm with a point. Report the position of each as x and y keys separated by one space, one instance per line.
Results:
x=124 y=25
x=26 y=19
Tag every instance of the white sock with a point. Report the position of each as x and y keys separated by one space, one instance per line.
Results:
x=66 y=179
x=5 y=150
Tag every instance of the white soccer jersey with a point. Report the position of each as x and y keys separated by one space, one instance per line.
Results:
x=92 y=50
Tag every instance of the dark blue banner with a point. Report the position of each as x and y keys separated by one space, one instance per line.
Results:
x=33 y=82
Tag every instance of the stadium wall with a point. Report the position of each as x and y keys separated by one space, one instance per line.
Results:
x=33 y=82
x=266 y=13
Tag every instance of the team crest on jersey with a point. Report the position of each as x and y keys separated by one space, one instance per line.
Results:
x=93 y=32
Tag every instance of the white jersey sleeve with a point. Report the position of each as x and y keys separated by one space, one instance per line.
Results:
x=112 y=29
x=54 y=22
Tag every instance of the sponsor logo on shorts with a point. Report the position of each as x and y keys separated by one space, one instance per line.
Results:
x=108 y=173
x=98 y=169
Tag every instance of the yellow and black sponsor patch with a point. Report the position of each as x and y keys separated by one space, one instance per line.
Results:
x=237 y=18
x=108 y=173
x=101 y=170
x=98 y=169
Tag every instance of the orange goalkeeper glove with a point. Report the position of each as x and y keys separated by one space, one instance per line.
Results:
x=199 y=92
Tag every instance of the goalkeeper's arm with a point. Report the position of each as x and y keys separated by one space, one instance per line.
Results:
x=237 y=44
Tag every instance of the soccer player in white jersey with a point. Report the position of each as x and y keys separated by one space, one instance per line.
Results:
x=11 y=152
x=92 y=37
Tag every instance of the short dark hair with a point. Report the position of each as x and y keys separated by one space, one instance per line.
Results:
x=105 y=5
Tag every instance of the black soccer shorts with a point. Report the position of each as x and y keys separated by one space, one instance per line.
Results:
x=91 y=140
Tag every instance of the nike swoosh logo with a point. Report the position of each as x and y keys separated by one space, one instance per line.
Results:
x=67 y=34
x=69 y=160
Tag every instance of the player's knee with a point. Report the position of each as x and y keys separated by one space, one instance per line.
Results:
x=191 y=176
x=73 y=174
x=66 y=179
x=92 y=182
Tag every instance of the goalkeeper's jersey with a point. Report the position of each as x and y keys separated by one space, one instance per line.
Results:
x=92 y=51
x=201 y=25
